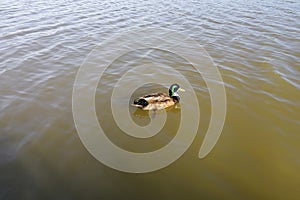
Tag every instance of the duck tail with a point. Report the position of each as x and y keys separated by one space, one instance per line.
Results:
x=136 y=105
x=140 y=103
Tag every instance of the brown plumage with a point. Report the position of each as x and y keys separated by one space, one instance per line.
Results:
x=158 y=101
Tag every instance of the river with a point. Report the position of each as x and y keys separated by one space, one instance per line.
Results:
x=255 y=46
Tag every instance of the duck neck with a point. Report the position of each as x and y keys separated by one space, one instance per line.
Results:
x=176 y=98
x=174 y=95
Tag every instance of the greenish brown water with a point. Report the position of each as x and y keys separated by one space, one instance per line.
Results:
x=255 y=45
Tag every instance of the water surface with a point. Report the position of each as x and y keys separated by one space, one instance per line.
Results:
x=255 y=45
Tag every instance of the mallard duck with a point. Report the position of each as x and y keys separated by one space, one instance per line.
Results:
x=157 y=101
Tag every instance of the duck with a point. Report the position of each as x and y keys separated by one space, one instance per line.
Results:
x=159 y=101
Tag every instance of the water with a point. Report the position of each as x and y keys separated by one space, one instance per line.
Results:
x=256 y=46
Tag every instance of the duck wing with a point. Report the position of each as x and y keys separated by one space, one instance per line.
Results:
x=155 y=97
x=155 y=101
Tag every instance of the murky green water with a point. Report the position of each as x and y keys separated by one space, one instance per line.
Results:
x=255 y=45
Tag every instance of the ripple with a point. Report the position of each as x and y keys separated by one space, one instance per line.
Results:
x=255 y=44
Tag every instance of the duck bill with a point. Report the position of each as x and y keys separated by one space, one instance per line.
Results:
x=181 y=90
